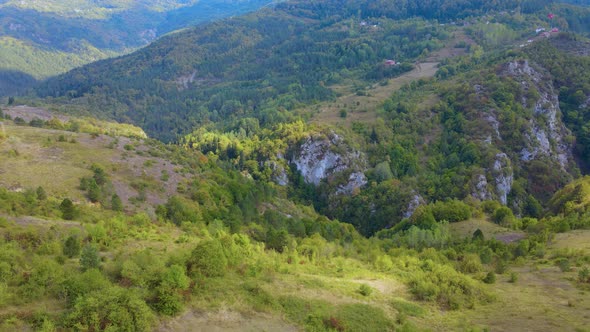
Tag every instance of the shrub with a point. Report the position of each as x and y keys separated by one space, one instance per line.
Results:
x=41 y=194
x=365 y=290
x=563 y=264
x=513 y=277
x=89 y=258
x=448 y=287
x=80 y=284
x=71 y=247
x=112 y=309
x=490 y=278
x=584 y=275
x=208 y=259
x=504 y=217
x=168 y=301
x=116 y=203
x=470 y=263
x=451 y=211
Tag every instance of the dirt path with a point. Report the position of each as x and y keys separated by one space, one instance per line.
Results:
x=225 y=320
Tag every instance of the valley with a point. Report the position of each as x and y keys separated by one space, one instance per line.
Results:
x=301 y=166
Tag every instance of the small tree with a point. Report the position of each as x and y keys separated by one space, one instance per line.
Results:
x=490 y=278
x=89 y=258
x=94 y=192
x=208 y=259
x=41 y=194
x=116 y=203
x=67 y=209
x=478 y=235
x=71 y=247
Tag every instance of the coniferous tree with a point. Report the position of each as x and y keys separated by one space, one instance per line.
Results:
x=67 y=209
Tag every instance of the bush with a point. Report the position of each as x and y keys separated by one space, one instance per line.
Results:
x=504 y=217
x=112 y=309
x=490 y=278
x=208 y=259
x=563 y=264
x=584 y=275
x=80 y=284
x=470 y=263
x=116 y=203
x=71 y=247
x=41 y=194
x=451 y=211
x=89 y=258
x=448 y=287
x=168 y=301
x=365 y=290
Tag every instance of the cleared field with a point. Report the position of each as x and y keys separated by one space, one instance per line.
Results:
x=489 y=229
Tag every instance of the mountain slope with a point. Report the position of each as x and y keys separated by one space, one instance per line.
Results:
x=43 y=39
x=488 y=126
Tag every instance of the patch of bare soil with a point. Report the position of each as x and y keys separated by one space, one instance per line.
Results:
x=509 y=237
x=225 y=320
x=28 y=113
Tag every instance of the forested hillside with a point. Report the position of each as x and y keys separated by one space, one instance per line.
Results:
x=39 y=39
x=126 y=233
x=266 y=92
x=316 y=165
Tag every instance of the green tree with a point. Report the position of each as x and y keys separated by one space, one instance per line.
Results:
x=67 y=209
x=208 y=259
x=41 y=194
x=477 y=235
x=71 y=247
x=89 y=258
x=100 y=176
x=94 y=192
x=116 y=203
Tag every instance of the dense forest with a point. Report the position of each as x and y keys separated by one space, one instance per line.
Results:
x=315 y=165
x=43 y=39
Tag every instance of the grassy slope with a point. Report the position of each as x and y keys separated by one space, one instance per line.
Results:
x=34 y=157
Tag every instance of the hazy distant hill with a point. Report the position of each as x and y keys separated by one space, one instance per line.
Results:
x=41 y=39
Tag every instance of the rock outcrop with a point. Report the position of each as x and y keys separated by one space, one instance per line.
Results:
x=323 y=157
x=546 y=132
x=504 y=176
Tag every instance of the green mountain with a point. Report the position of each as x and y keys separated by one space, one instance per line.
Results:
x=318 y=166
x=301 y=94
x=43 y=39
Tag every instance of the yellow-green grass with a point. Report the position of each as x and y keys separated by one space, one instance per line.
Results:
x=575 y=240
x=468 y=227
x=57 y=160
x=34 y=157
x=362 y=108
x=540 y=300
